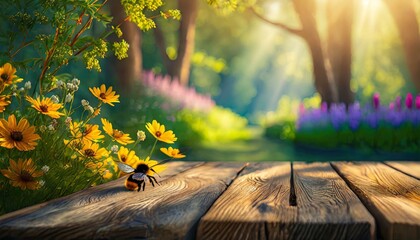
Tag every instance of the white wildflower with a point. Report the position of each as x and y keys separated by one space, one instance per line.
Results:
x=141 y=136
x=114 y=149
x=55 y=99
x=69 y=97
x=28 y=85
x=45 y=168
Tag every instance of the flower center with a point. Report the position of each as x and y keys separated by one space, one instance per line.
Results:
x=16 y=136
x=117 y=133
x=44 y=108
x=102 y=95
x=123 y=158
x=158 y=134
x=25 y=176
x=89 y=152
x=5 y=76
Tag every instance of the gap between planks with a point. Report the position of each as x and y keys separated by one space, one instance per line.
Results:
x=257 y=206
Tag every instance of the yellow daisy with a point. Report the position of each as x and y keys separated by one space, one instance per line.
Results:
x=88 y=132
x=46 y=106
x=128 y=157
x=92 y=150
x=105 y=95
x=4 y=102
x=23 y=174
x=17 y=135
x=7 y=74
x=172 y=152
x=75 y=144
x=117 y=135
x=105 y=168
x=158 y=131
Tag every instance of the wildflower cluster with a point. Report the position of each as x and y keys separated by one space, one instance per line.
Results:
x=183 y=97
x=58 y=32
x=136 y=9
x=50 y=134
x=374 y=125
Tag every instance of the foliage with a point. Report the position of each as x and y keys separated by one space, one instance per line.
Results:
x=51 y=145
x=184 y=110
x=60 y=137
x=217 y=125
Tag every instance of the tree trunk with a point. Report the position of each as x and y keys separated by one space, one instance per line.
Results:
x=179 y=68
x=406 y=20
x=129 y=69
x=340 y=19
x=323 y=77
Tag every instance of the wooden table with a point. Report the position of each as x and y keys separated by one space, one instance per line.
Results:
x=216 y=200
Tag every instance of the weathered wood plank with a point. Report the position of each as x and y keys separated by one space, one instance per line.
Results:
x=258 y=196
x=94 y=194
x=256 y=206
x=169 y=211
x=392 y=197
x=410 y=168
x=327 y=207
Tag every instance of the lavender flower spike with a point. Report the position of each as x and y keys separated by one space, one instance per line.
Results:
x=376 y=101
x=409 y=101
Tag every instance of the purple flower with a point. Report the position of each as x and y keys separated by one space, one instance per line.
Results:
x=354 y=116
x=392 y=106
x=324 y=107
x=395 y=118
x=183 y=96
x=372 y=120
x=398 y=103
x=376 y=100
x=338 y=115
x=409 y=101
x=418 y=102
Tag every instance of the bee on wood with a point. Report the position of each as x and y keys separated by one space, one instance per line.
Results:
x=138 y=176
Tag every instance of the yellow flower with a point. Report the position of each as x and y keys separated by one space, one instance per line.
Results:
x=158 y=131
x=17 y=135
x=96 y=112
x=88 y=132
x=152 y=166
x=105 y=95
x=23 y=174
x=75 y=144
x=4 y=102
x=117 y=135
x=7 y=74
x=103 y=167
x=128 y=157
x=172 y=152
x=92 y=150
x=46 y=106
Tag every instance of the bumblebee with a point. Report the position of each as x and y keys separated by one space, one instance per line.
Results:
x=138 y=176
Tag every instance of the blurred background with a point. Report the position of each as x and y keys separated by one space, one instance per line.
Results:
x=304 y=80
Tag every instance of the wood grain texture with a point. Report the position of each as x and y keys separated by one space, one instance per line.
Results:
x=327 y=207
x=409 y=168
x=392 y=197
x=256 y=206
x=110 y=211
x=259 y=196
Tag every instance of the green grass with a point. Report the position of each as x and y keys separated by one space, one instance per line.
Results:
x=260 y=148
